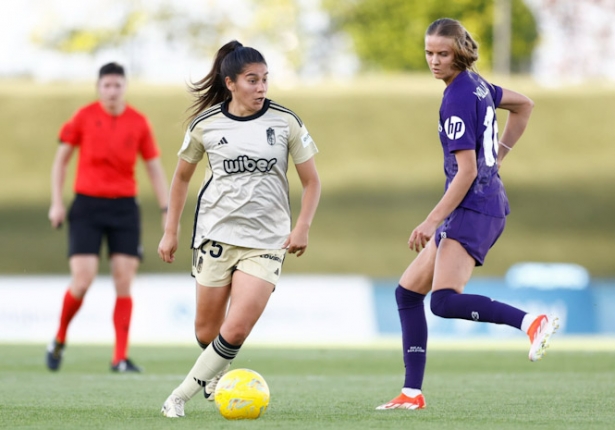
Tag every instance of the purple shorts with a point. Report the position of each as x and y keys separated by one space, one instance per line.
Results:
x=476 y=232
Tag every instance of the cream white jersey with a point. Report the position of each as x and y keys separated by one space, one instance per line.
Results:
x=244 y=199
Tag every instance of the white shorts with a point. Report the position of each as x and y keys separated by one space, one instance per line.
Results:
x=213 y=263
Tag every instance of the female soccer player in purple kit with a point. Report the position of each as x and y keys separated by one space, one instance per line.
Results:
x=470 y=216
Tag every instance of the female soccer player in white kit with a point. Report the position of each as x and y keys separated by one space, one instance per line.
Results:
x=242 y=226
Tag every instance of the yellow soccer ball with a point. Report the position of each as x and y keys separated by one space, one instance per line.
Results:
x=242 y=394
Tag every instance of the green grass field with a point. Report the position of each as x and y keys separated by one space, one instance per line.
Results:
x=380 y=165
x=316 y=388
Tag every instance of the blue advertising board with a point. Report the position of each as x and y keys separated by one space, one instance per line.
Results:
x=589 y=310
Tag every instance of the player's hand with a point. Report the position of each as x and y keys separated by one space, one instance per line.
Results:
x=167 y=247
x=57 y=215
x=297 y=241
x=421 y=235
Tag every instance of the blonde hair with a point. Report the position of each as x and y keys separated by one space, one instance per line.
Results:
x=465 y=47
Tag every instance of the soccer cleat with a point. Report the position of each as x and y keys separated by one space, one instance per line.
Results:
x=173 y=407
x=540 y=332
x=404 y=402
x=125 y=366
x=210 y=386
x=55 y=350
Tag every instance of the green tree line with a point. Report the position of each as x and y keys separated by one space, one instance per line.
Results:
x=387 y=34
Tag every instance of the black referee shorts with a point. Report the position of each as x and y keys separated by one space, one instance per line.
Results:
x=91 y=219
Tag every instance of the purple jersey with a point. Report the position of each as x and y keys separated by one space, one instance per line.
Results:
x=467 y=121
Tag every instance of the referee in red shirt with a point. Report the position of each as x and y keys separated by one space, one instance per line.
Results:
x=110 y=135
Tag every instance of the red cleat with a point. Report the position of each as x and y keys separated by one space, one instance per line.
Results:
x=540 y=333
x=404 y=402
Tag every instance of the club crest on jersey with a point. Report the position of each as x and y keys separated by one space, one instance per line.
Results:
x=199 y=265
x=271 y=136
x=454 y=127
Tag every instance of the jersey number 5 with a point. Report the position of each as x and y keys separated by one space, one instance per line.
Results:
x=215 y=251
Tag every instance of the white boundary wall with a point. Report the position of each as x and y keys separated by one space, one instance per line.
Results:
x=303 y=309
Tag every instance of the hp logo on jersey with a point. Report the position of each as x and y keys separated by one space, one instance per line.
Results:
x=454 y=127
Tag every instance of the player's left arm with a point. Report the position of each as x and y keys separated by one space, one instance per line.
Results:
x=519 y=108
x=158 y=179
x=297 y=242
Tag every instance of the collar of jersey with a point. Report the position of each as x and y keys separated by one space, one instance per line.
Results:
x=245 y=118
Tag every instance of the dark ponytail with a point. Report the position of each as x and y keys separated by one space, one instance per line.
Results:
x=230 y=61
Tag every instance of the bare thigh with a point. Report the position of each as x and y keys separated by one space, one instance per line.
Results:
x=453 y=266
x=418 y=276
x=249 y=297
x=211 y=304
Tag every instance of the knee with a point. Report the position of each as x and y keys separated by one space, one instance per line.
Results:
x=123 y=271
x=235 y=334
x=79 y=287
x=408 y=299
x=439 y=302
x=237 y=337
x=202 y=344
x=122 y=284
x=205 y=334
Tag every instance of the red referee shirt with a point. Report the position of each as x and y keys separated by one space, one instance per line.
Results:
x=108 y=148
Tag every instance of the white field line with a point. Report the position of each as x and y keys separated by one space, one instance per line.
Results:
x=561 y=343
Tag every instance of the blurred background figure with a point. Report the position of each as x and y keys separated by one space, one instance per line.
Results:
x=110 y=135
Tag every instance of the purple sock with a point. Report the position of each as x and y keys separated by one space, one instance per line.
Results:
x=450 y=304
x=413 y=334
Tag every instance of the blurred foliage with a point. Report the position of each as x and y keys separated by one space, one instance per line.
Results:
x=89 y=40
x=524 y=38
x=380 y=162
x=388 y=34
x=305 y=37
x=262 y=23
x=183 y=29
x=199 y=29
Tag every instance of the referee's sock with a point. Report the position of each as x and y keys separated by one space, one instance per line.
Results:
x=122 y=315
x=70 y=306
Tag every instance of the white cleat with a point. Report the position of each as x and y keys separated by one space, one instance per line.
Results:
x=173 y=407
x=210 y=387
x=540 y=332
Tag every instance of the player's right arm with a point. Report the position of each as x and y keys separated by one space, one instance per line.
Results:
x=454 y=195
x=177 y=201
x=57 y=211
